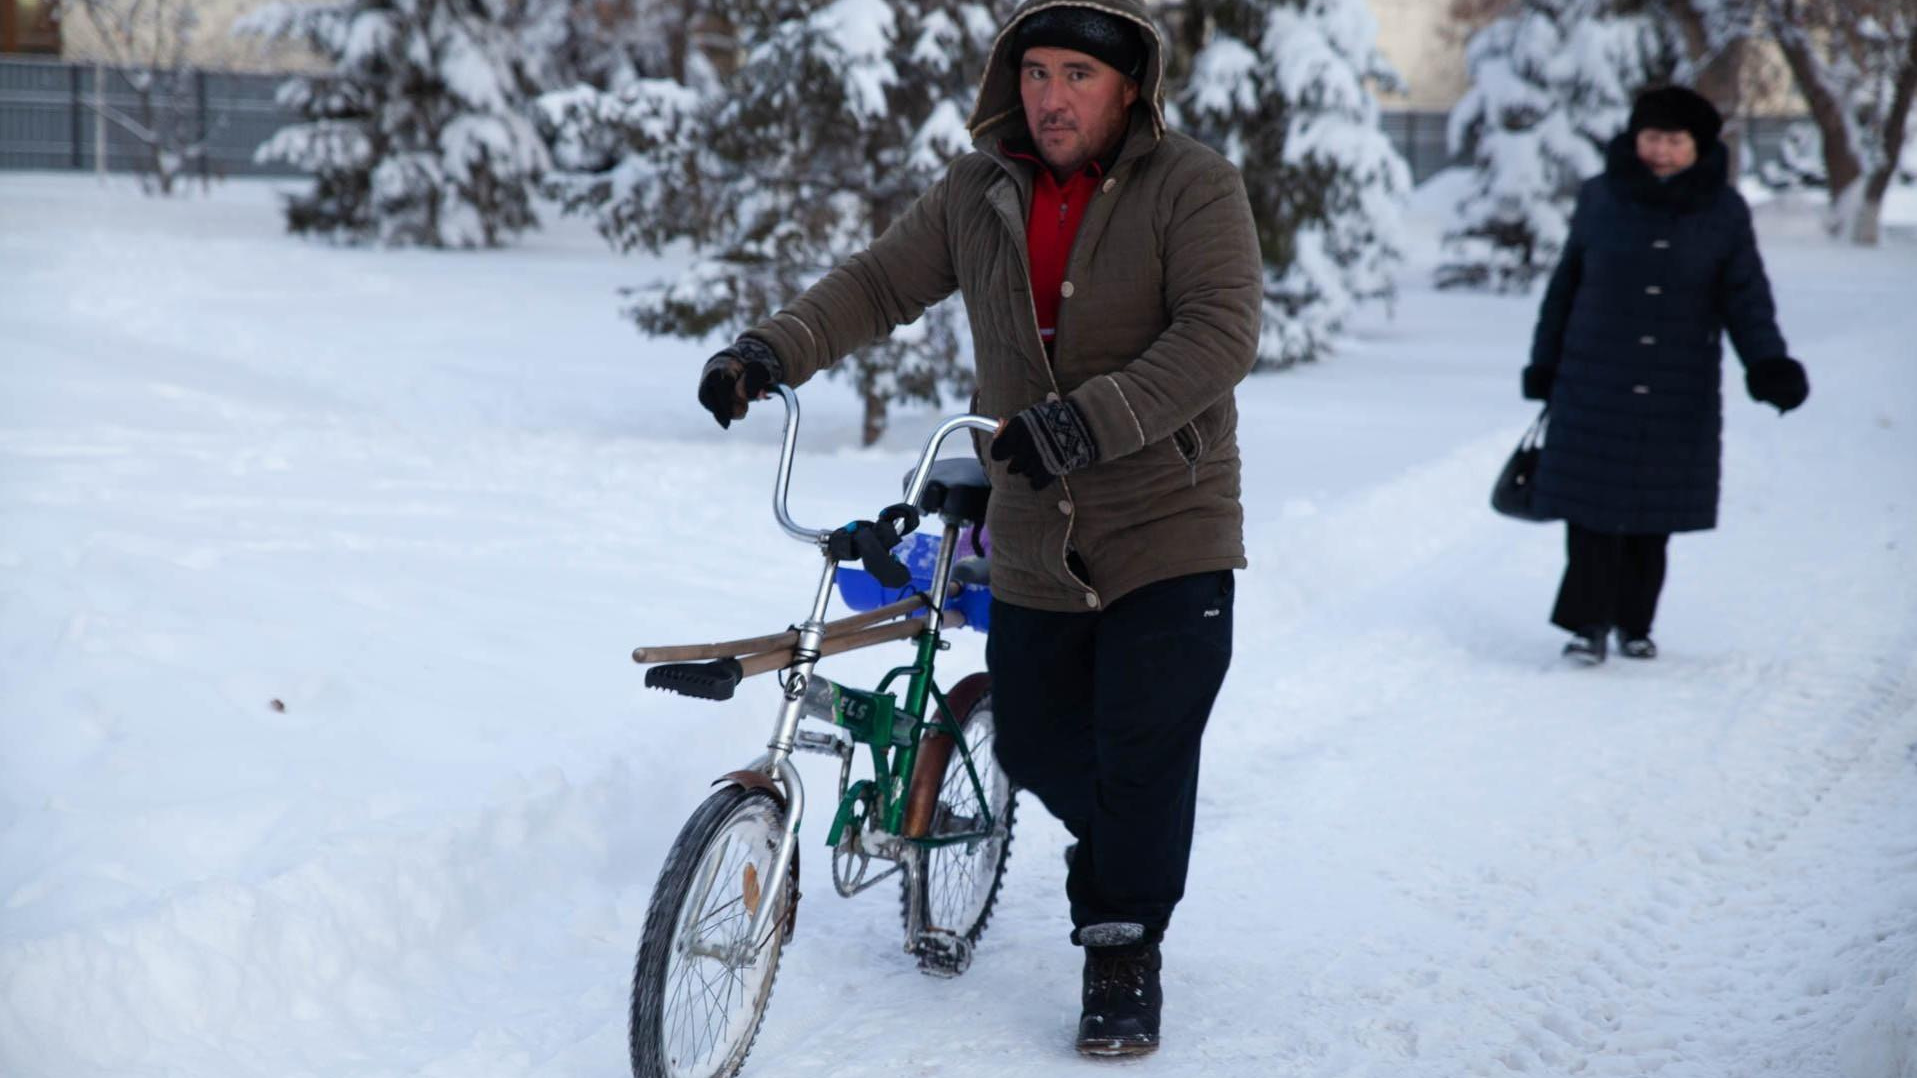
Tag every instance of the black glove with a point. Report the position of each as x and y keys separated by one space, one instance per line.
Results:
x=1538 y=381
x=1046 y=441
x=737 y=375
x=1778 y=381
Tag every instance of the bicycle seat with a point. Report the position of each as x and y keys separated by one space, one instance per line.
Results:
x=957 y=491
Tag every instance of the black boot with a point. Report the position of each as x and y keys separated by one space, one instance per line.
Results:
x=1635 y=647
x=1587 y=647
x=1122 y=1000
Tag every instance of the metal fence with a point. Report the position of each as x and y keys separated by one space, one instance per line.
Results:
x=1764 y=139
x=1420 y=139
x=47 y=121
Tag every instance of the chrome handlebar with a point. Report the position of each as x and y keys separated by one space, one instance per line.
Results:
x=782 y=486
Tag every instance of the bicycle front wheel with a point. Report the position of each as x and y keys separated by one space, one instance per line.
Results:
x=701 y=983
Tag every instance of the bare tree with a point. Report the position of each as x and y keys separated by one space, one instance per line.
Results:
x=147 y=41
x=1855 y=63
x=1469 y=15
x=1714 y=38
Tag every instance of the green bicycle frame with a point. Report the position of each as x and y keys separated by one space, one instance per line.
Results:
x=892 y=732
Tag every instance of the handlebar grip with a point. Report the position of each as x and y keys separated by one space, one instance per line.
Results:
x=871 y=543
x=875 y=553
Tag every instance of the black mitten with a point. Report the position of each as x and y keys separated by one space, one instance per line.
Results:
x=1778 y=381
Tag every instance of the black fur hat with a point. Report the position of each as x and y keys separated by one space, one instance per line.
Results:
x=1677 y=108
x=1110 y=38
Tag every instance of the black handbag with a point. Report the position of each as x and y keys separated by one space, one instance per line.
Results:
x=1515 y=490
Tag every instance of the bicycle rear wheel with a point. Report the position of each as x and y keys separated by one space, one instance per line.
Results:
x=701 y=985
x=957 y=885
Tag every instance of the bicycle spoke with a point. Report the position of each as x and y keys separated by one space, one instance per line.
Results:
x=715 y=977
x=716 y=911
x=961 y=876
x=718 y=1010
x=680 y=1036
x=694 y=1032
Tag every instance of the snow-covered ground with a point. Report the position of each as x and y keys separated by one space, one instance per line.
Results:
x=427 y=503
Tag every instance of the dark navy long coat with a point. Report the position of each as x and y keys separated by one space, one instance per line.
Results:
x=1653 y=274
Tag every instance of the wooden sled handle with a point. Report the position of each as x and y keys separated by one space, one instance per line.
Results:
x=838 y=645
x=784 y=641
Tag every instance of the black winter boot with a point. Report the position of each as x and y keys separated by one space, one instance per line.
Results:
x=1122 y=1000
x=1588 y=646
x=1635 y=647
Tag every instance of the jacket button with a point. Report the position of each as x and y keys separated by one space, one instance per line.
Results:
x=1091 y=599
x=1065 y=507
x=1647 y=340
x=1109 y=184
x=1066 y=290
x=1653 y=291
x=1642 y=390
x=1660 y=244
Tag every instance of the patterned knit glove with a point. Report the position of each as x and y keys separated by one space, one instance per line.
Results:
x=1046 y=441
x=736 y=376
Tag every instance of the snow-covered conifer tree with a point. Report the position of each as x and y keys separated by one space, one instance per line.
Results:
x=417 y=135
x=1284 y=89
x=839 y=115
x=1551 y=82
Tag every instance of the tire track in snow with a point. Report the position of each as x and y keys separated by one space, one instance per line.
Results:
x=1793 y=733
x=1644 y=956
x=1572 y=962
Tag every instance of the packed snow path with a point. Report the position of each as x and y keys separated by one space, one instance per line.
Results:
x=427 y=502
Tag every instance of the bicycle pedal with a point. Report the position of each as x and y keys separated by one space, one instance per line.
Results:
x=707 y=681
x=942 y=953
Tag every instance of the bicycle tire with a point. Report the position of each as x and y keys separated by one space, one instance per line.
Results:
x=960 y=883
x=734 y=827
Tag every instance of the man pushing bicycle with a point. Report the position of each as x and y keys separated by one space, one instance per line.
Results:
x=1112 y=276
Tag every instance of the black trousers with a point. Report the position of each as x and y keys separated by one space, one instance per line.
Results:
x=1610 y=581
x=1100 y=714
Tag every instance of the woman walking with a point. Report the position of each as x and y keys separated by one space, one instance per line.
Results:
x=1660 y=263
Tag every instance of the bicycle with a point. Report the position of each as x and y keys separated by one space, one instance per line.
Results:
x=936 y=805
